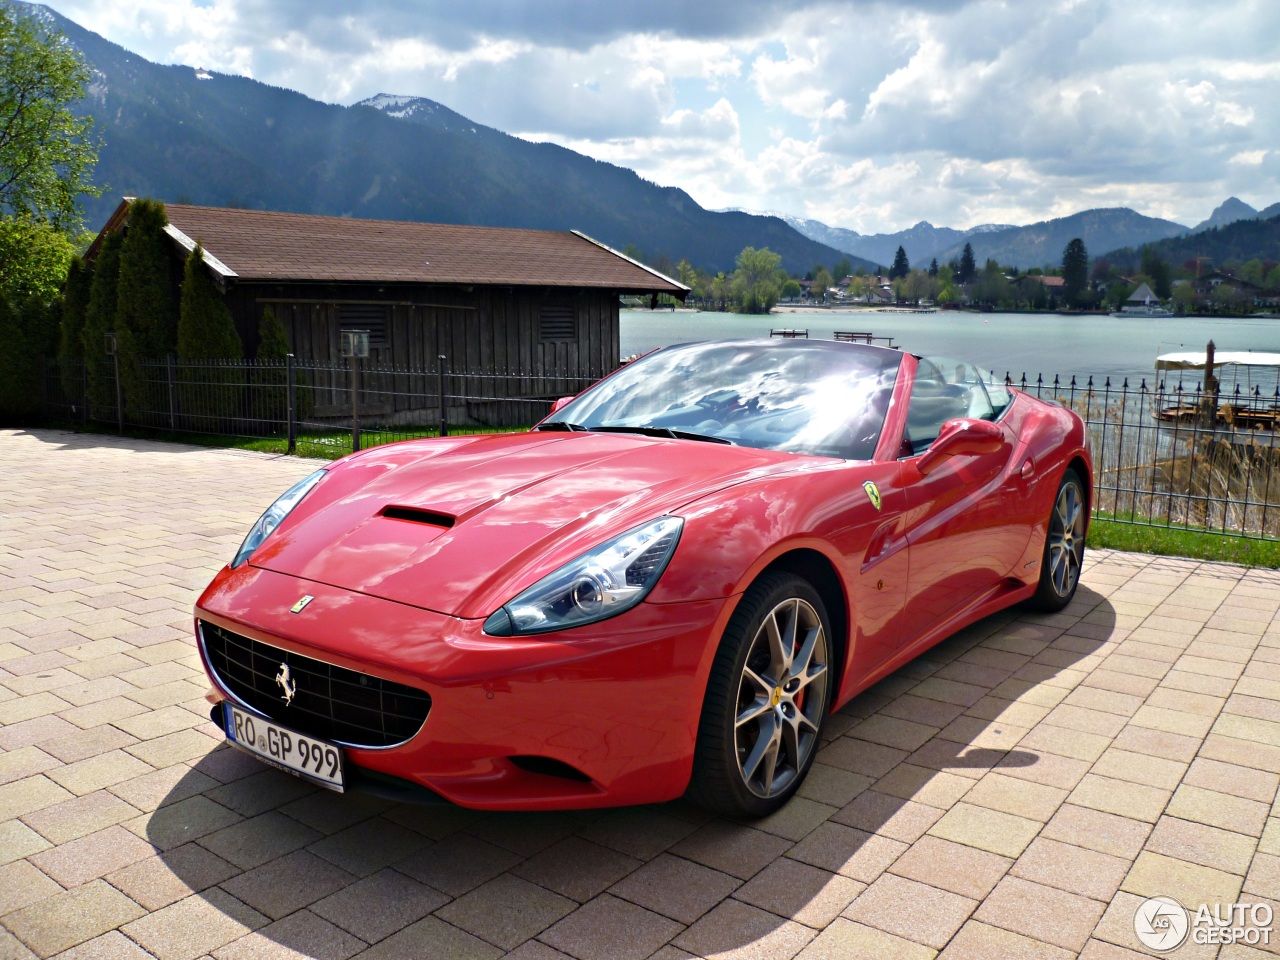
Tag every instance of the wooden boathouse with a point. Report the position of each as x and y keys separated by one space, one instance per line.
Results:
x=493 y=300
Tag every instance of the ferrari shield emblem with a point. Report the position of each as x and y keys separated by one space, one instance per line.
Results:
x=873 y=493
x=301 y=604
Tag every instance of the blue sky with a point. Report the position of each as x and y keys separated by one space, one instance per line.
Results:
x=866 y=115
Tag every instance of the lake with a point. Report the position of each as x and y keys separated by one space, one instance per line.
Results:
x=1013 y=343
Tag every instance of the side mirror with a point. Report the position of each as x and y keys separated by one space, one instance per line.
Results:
x=560 y=403
x=961 y=438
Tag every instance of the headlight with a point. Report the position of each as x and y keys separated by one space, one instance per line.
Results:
x=275 y=513
x=601 y=583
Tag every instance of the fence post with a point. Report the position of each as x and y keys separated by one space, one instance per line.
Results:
x=291 y=404
x=444 y=412
x=355 y=403
x=173 y=391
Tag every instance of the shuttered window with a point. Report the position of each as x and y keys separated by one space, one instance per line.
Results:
x=558 y=321
x=374 y=317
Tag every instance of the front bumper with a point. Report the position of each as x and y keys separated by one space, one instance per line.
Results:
x=617 y=701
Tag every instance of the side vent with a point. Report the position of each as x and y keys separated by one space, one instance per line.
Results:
x=550 y=767
x=414 y=515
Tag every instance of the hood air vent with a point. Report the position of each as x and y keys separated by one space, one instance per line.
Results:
x=414 y=515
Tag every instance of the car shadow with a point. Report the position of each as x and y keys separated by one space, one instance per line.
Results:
x=325 y=874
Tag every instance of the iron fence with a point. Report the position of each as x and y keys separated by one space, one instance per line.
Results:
x=1171 y=454
x=1166 y=454
x=310 y=407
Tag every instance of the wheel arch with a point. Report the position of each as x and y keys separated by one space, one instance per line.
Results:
x=1081 y=467
x=817 y=569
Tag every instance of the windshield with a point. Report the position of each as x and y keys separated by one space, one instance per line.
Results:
x=815 y=397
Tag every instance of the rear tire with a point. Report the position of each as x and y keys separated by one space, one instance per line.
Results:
x=768 y=692
x=1063 y=546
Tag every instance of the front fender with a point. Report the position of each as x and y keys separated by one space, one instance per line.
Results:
x=729 y=538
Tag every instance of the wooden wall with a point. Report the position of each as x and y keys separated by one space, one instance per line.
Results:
x=489 y=330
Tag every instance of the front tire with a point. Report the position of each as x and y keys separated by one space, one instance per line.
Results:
x=768 y=692
x=1063 y=546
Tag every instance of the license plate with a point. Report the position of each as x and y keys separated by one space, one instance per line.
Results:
x=316 y=760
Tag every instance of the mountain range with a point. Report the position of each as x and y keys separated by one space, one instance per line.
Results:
x=919 y=242
x=191 y=135
x=1034 y=245
x=197 y=136
x=1233 y=210
x=1249 y=238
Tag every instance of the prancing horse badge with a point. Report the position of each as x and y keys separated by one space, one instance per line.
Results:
x=873 y=493
x=301 y=604
x=286 y=683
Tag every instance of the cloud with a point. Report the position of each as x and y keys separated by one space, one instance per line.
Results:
x=868 y=114
x=718 y=122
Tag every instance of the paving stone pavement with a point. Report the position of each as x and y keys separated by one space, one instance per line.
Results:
x=1016 y=792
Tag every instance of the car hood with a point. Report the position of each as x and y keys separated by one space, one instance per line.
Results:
x=461 y=526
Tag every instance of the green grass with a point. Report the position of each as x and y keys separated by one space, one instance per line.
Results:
x=1116 y=534
x=329 y=445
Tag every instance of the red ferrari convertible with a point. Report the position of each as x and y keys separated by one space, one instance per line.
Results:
x=661 y=589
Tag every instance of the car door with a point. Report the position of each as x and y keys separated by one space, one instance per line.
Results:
x=962 y=541
x=876 y=562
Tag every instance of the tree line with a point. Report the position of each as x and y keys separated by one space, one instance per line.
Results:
x=759 y=282
x=116 y=316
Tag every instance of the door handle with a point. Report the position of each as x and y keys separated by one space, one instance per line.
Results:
x=879 y=542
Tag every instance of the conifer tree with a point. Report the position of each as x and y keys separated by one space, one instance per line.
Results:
x=205 y=328
x=901 y=265
x=40 y=319
x=968 y=266
x=1075 y=272
x=273 y=348
x=145 y=316
x=11 y=361
x=28 y=333
x=99 y=320
x=145 y=304
x=273 y=342
x=75 y=308
x=206 y=335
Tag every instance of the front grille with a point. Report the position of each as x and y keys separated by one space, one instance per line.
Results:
x=330 y=702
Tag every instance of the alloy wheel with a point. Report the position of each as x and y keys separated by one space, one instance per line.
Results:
x=1066 y=539
x=781 y=695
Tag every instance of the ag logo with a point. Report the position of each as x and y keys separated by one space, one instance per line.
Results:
x=1161 y=924
x=873 y=493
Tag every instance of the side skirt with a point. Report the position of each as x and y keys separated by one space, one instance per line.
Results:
x=999 y=598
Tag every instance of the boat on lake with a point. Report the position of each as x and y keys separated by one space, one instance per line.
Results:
x=1143 y=303
x=1143 y=311
x=1250 y=400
